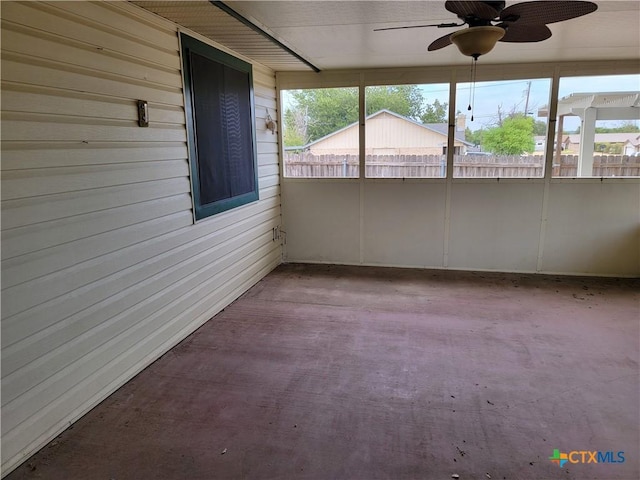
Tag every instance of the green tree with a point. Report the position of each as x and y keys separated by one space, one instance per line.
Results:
x=295 y=128
x=623 y=127
x=405 y=100
x=435 y=112
x=474 y=136
x=514 y=137
x=539 y=127
x=324 y=110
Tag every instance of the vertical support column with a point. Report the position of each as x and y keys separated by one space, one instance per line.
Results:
x=587 y=139
x=453 y=85
x=451 y=131
x=548 y=163
x=558 y=140
x=279 y=133
x=362 y=115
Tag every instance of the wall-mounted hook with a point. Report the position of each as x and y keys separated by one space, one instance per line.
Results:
x=270 y=123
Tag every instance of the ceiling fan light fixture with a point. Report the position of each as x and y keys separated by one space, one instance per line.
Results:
x=476 y=41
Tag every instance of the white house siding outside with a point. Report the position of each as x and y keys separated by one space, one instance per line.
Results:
x=103 y=268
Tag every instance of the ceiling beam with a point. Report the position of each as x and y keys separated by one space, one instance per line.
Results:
x=242 y=19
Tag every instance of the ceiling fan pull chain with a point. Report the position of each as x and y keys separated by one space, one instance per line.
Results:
x=472 y=89
x=470 y=86
x=473 y=94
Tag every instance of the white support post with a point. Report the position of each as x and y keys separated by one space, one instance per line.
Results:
x=587 y=139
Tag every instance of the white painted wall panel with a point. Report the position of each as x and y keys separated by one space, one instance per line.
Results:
x=588 y=227
x=404 y=224
x=103 y=268
x=323 y=221
x=593 y=228
x=495 y=226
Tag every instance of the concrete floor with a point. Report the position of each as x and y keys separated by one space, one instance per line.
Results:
x=324 y=372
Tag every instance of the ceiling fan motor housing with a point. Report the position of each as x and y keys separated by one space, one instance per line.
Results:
x=477 y=41
x=491 y=21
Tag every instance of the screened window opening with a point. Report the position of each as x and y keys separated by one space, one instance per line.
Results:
x=221 y=128
x=598 y=127
x=506 y=130
x=320 y=133
x=406 y=131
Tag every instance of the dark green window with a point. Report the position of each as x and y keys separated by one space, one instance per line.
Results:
x=221 y=128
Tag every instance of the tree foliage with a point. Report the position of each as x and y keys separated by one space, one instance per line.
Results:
x=624 y=127
x=324 y=110
x=514 y=137
x=474 y=136
x=435 y=112
x=295 y=128
x=405 y=100
x=539 y=127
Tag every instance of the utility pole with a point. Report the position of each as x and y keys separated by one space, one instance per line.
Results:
x=526 y=104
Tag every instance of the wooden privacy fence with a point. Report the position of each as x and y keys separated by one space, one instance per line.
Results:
x=502 y=166
x=308 y=165
x=603 y=166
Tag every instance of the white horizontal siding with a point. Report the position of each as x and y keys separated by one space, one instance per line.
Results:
x=103 y=269
x=31 y=155
x=145 y=43
x=27 y=98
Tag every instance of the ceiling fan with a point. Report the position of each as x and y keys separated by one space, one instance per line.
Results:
x=490 y=22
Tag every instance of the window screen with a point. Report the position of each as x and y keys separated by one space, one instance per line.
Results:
x=220 y=120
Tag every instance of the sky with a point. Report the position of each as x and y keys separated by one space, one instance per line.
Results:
x=513 y=93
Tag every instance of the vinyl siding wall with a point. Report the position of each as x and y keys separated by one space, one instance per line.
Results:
x=103 y=268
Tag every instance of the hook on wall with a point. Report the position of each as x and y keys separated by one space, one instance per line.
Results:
x=270 y=123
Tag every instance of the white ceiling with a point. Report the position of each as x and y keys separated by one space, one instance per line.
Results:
x=339 y=34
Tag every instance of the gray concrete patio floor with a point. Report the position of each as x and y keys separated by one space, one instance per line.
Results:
x=332 y=372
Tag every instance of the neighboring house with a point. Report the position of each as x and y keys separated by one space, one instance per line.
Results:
x=540 y=142
x=631 y=146
x=630 y=142
x=389 y=133
x=627 y=141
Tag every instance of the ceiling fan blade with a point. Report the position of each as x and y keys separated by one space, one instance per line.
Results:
x=543 y=12
x=477 y=9
x=440 y=43
x=517 y=33
x=439 y=25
